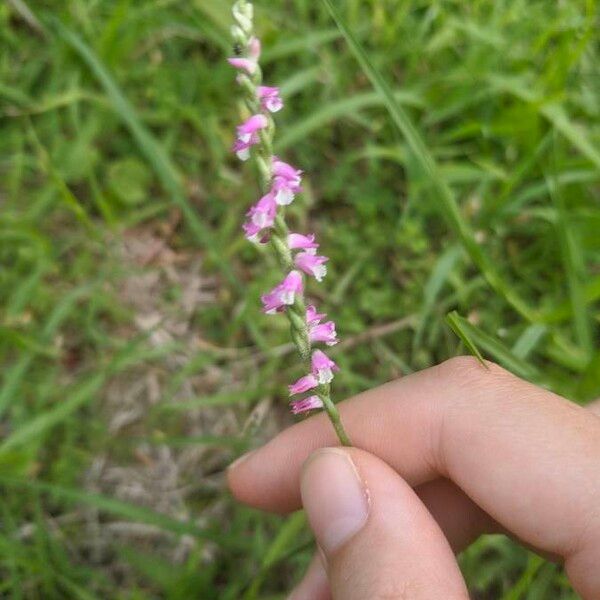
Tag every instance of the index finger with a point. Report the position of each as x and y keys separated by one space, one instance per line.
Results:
x=527 y=457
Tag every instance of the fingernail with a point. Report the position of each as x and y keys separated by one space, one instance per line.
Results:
x=238 y=461
x=334 y=497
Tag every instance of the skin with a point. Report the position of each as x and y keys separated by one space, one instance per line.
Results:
x=444 y=455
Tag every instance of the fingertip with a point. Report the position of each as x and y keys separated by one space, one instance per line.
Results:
x=235 y=477
x=257 y=479
x=268 y=478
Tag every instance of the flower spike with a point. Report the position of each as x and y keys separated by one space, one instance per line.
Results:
x=296 y=253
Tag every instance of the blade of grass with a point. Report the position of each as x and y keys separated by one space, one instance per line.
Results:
x=572 y=263
x=442 y=194
x=438 y=277
x=14 y=375
x=554 y=113
x=50 y=418
x=454 y=322
x=344 y=108
x=277 y=550
x=528 y=340
x=305 y=42
x=475 y=338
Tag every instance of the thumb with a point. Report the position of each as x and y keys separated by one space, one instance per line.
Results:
x=378 y=538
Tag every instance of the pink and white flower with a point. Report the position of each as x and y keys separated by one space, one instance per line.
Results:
x=317 y=331
x=283 y=294
x=311 y=264
x=251 y=231
x=306 y=404
x=243 y=64
x=269 y=98
x=312 y=316
x=297 y=241
x=286 y=182
x=251 y=126
x=285 y=170
x=323 y=332
x=308 y=382
x=247 y=134
x=262 y=214
x=323 y=367
x=242 y=149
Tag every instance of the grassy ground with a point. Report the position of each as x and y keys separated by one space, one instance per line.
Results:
x=135 y=364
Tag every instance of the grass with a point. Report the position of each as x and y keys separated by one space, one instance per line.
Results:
x=453 y=160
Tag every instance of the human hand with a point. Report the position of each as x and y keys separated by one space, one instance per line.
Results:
x=441 y=457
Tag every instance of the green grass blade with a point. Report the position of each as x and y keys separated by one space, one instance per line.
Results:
x=441 y=192
x=554 y=113
x=573 y=267
x=44 y=421
x=344 y=108
x=439 y=276
x=278 y=549
x=529 y=339
x=475 y=338
x=455 y=323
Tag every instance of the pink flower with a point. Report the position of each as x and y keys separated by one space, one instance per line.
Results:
x=286 y=182
x=251 y=126
x=306 y=404
x=248 y=135
x=251 y=231
x=323 y=367
x=285 y=170
x=311 y=264
x=269 y=98
x=317 y=331
x=250 y=63
x=243 y=64
x=312 y=316
x=284 y=191
x=324 y=332
x=262 y=214
x=242 y=149
x=297 y=241
x=283 y=294
x=308 y=382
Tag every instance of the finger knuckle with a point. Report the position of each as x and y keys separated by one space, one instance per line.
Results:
x=470 y=371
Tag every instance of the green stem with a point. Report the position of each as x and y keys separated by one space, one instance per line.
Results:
x=334 y=417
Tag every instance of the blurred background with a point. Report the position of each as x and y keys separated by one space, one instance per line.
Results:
x=134 y=361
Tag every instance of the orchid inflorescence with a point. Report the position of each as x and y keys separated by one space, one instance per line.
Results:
x=296 y=253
